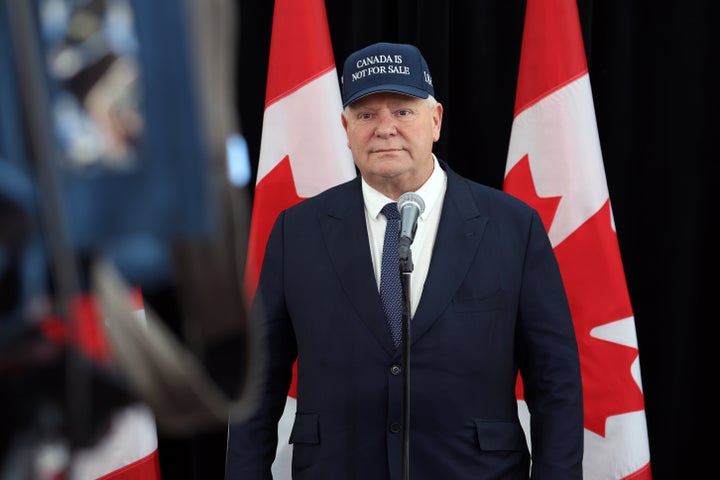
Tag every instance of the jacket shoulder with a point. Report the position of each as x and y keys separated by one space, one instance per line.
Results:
x=484 y=197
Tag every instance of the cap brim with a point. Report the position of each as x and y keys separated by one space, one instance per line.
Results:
x=404 y=89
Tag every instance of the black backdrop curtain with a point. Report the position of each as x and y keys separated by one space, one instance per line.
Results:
x=653 y=74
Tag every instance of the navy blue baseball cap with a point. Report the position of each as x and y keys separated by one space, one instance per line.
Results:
x=385 y=67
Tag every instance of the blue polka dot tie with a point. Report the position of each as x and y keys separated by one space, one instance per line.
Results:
x=390 y=286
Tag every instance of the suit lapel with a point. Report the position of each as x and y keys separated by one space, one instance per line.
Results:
x=461 y=228
x=343 y=223
x=459 y=234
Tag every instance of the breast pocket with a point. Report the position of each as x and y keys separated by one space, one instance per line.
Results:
x=470 y=330
x=478 y=303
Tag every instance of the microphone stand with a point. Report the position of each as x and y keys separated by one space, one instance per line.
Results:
x=406 y=268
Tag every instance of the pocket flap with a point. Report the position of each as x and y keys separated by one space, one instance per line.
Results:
x=306 y=428
x=500 y=435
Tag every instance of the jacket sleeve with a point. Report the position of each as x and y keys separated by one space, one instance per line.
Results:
x=549 y=364
x=252 y=441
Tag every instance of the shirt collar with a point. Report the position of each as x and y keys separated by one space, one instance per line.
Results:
x=431 y=192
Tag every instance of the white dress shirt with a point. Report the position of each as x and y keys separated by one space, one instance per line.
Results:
x=432 y=192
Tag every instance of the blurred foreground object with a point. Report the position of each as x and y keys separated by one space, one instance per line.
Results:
x=113 y=163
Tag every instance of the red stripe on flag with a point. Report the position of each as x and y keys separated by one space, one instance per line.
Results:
x=89 y=330
x=146 y=468
x=642 y=474
x=300 y=50
x=548 y=60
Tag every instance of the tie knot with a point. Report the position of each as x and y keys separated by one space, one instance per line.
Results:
x=391 y=211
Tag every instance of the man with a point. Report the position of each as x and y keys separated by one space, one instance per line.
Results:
x=487 y=302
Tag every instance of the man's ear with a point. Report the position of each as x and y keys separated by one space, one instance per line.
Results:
x=437 y=121
x=344 y=121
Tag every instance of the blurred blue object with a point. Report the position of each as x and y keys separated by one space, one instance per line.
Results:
x=238 y=160
x=106 y=98
x=141 y=259
x=124 y=111
x=23 y=263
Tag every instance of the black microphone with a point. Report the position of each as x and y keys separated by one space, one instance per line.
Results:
x=410 y=205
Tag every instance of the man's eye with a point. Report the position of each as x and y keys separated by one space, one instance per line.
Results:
x=366 y=116
x=403 y=113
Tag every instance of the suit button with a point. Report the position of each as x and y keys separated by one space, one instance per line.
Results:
x=396 y=370
x=395 y=427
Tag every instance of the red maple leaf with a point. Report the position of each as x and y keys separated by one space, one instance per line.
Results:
x=594 y=279
x=273 y=194
x=519 y=182
x=595 y=283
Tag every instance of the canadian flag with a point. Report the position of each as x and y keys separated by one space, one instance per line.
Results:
x=129 y=448
x=555 y=164
x=300 y=155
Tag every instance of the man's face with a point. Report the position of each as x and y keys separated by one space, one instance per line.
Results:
x=391 y=138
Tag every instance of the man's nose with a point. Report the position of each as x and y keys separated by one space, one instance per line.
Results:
x=386 y=124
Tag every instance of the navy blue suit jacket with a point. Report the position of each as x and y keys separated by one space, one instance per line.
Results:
x=493 y=304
